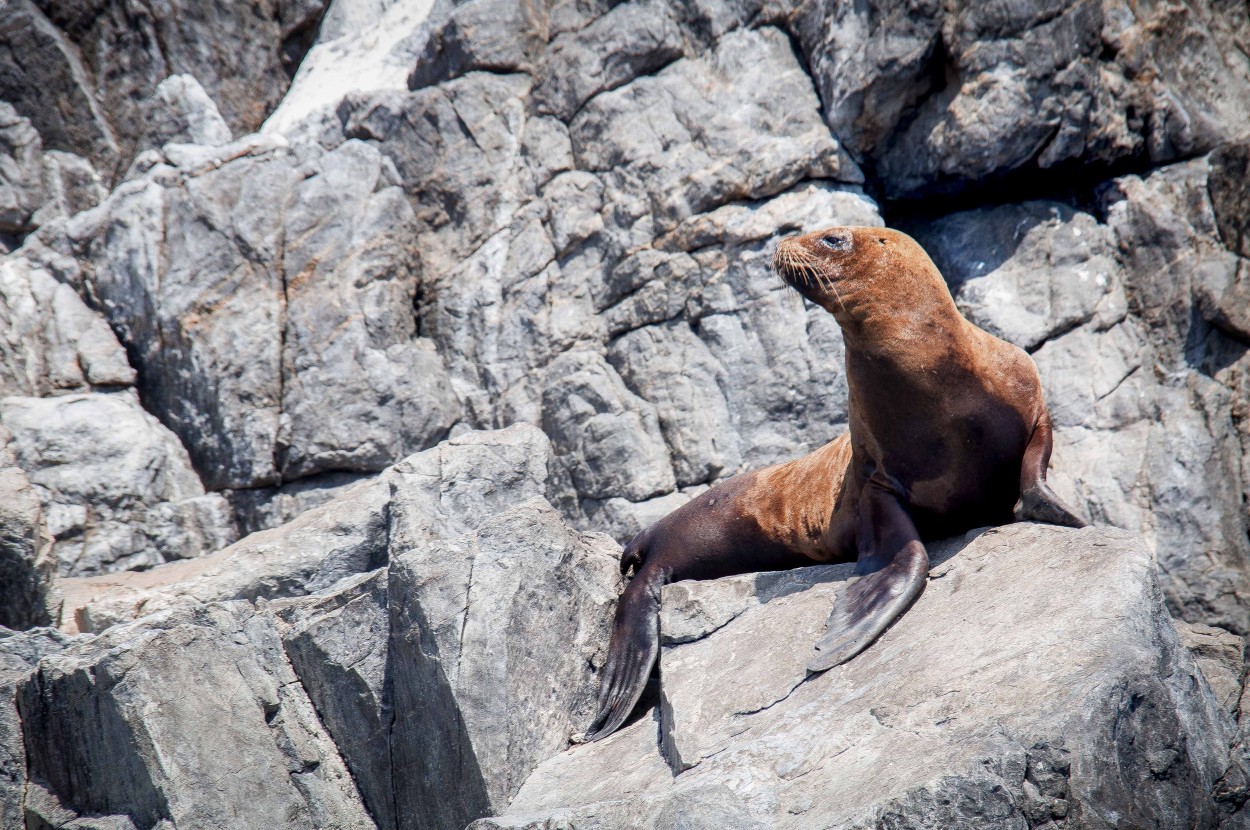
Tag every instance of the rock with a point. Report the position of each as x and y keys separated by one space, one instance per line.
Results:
x=630 y=40
x=495 y=641
x=442 y=492
x=350 y=288
x=53 y=343
x=26 y=560
x=701 y=141
x=500 y=36
x=19 y=654
x=245 y=79
x=907 y=84
x=181 y=111
x=1022 y=714
x=72 y=184
x=608 y=437
x=21 y=174
x=188 y=276
x=339 y=539
x=360 y=48
x=676 y=370
x=44 y=77
x=1218 y=654
x=337 y=643
x=1030 y=272
x=1138 y=446
x=194 y=718
x=215 y=267
x=447 y=491
x=117 y=489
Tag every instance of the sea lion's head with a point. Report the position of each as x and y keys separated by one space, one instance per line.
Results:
x=851 y=270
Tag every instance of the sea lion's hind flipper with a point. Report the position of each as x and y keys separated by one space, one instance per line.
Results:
x=1038 y=503
x=893 y=566
x=632 y=652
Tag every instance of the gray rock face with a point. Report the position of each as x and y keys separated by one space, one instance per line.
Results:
x=53 y=343
x=89 y=75
x=443 y=492
x=37 y=187
x=99 y=743
x=181 y=111
x=1024 y=713
x=495 y=640
x=20 y=652
x=26 y=560
x=440 y=681
x=221 y=272
x=908 y=85
x=117 y=489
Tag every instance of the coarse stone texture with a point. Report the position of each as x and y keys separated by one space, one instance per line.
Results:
x=194 y=718
x=222 y=272
x=89 y=74
x=1066 y=697
x=944 y=97
x=495 y=643
x=53 y=343
x=181 y=111
x=26 y=560
x=442 y=492
x=339 y=539
x=117 y=489
x=36 y=186
x=20 y=652
x=337 y=643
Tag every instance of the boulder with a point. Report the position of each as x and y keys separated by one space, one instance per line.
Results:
x=908 y=84
x=442 y=492
x=26 y=561
x=339 y=539
x=1066 y=699
x=496 y=639
x=53 y=343
x=90 y=74
x=20 y=652
x=181 y=111
x=117 y=489
x=193 y=718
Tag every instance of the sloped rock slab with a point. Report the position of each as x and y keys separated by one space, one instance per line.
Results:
x=1037 y=682
x=192 y=717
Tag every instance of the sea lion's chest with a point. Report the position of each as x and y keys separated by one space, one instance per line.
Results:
x=949 y=442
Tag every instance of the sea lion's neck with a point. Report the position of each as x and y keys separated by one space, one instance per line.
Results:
x=895 y=326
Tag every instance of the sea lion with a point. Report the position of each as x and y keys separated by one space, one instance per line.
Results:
x=948 y=431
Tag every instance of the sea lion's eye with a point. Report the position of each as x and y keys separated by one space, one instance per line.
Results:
x=836 y=242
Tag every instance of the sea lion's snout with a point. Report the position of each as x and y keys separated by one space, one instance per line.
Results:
x=811 y=263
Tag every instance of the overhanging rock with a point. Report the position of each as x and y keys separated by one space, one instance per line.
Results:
x=1037 y=682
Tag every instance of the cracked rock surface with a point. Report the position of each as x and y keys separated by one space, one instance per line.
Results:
x=1037 y=681
x=335 y=333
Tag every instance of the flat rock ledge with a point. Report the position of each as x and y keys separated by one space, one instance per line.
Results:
x=1037 y=683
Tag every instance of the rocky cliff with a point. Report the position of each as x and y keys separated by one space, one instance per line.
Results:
x=336 y=333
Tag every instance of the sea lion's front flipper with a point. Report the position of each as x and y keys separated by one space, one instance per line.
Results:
x=1038 y=503
x=632 y=652
x=892 y=568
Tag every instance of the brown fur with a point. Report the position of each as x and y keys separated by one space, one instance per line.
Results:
x=948 y=431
